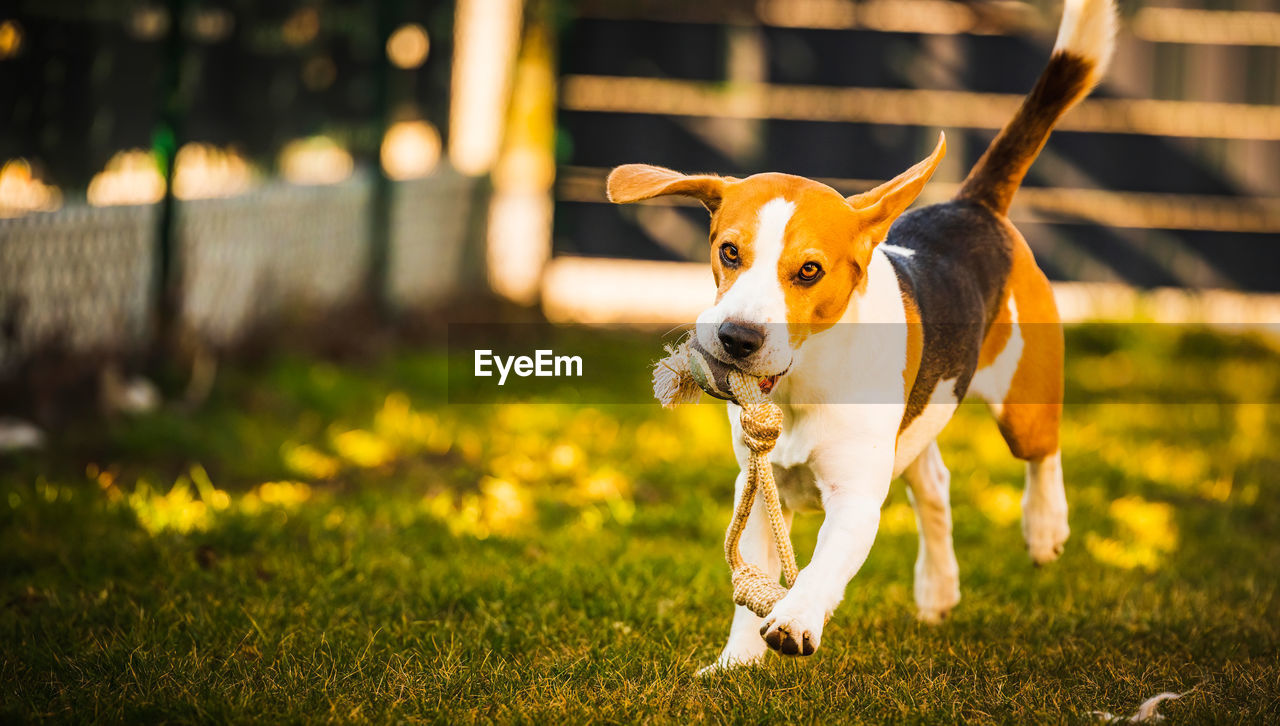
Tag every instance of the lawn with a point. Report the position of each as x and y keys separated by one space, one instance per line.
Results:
x=325 y=542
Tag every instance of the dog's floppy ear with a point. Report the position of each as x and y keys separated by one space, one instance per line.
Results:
x=633 y=182
x=880 y=206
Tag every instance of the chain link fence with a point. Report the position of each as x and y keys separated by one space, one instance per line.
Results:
x=81 y=280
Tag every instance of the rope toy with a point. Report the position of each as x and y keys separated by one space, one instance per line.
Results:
x=678 y=378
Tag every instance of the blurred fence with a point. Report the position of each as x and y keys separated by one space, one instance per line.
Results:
x=1167 y=176
x=78 y=277
x=82 y=279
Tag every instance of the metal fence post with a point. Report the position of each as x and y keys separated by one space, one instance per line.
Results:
x=381 y=196
x=166 y=283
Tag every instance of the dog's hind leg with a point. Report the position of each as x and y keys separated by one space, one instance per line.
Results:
x=1020 y=376
x=745 y=646
x=1031 y=430
x=937 y=574
x=1044 y=509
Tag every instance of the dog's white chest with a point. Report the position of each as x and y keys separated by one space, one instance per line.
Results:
x=798 y=488
x=791 y=457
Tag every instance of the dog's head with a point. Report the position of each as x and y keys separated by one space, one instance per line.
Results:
x=787 y=253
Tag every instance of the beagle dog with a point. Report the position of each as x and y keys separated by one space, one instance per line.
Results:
x=878 y=322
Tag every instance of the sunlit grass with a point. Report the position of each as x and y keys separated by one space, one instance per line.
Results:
x=999 y=503
x=335 y=543
x=1148 y=534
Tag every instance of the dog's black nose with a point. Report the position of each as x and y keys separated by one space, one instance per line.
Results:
x=739 y=340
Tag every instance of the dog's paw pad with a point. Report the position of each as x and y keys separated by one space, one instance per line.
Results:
x=789 y=637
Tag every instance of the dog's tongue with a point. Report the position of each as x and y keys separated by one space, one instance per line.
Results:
x=767 y=384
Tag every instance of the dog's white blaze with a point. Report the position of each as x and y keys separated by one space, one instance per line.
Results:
x=756 y=296
x=993 y=382
x=899 y=251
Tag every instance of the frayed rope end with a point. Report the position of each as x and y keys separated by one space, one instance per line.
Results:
x=672 y=382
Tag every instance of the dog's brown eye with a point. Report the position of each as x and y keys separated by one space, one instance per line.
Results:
x=810 y=271
x=729 y=254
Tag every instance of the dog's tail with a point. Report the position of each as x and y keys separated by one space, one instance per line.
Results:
x=1080 y=57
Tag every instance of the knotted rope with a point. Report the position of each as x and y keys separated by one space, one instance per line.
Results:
x=677 y=379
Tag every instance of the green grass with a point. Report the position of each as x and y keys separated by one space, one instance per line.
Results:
x=333 y=543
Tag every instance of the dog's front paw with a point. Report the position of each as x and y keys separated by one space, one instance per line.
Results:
x=792 y=631
x=735 y=657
